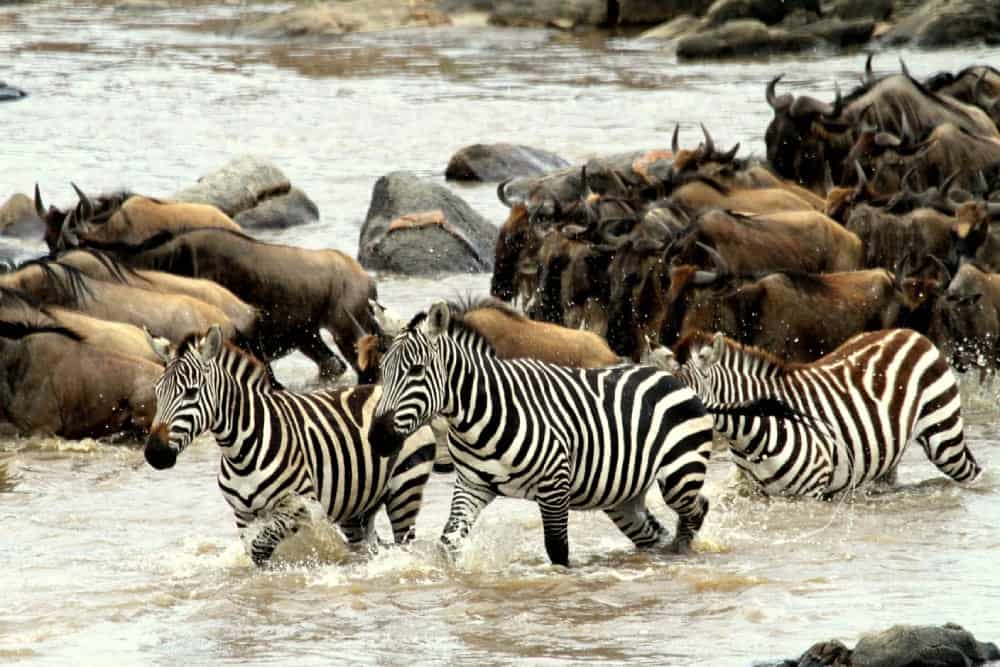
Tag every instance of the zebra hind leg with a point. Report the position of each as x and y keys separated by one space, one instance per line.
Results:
x=691 y=511
x=638 y=524
x=943 y=441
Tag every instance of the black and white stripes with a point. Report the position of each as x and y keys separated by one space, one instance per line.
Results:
x=563 y=437
x=280 y=448
x=836 y=423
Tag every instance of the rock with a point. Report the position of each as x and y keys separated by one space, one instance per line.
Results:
x=742 y=38
x=238 y=186
x=840 y=33
x=416 y=227
x=765 y=11
x=496 y=162
x=10 y=93
x=288 y=210
x=949 y=23
x=850 y=10
x=645 y=12
x=942 y=646
x=335 y=18
x=825 y=654
x=678 y=27
x=18 y=218
x=563 y=14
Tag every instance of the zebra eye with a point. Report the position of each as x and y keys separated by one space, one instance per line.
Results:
x=190 y=392
x=416 y=370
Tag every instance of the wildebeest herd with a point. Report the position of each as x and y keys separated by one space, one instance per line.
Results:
x=809 y=308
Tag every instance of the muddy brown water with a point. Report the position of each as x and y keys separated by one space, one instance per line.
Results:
x=105 y=561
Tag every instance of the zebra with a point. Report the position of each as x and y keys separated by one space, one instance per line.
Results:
x=280 y=447
x=563 y=437
x=838 y=422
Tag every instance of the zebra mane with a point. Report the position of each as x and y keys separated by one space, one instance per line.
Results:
x=261 y=369
x=683 y=349
x=465 y=305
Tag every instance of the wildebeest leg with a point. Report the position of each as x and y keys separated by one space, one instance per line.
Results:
x=406 y=491
x=346 y=335
x=330 y=365
x=637 y=523
x=691 y=511
x=467 y=501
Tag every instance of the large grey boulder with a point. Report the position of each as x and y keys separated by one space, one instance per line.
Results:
x=877 y=10
x=949 y=23
x=942 y=646
x=496 y=162
x=19 y=219
x=415 y=227
x=645 y=12
x=251 y=182
x=765 y=11
x=743 y=37
x=839 y=32
x=565 y=14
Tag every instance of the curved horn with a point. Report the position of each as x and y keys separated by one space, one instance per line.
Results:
x=906 y=70
x=502 y=192
x=944 y=270
x=674 y=141
x=828 y=177
x=904 y=184
x=619 y=181
x=948 y=182
x=777 y=103
x=720 y=263
x=869 y=75
x=358 y=329
x=709 y=144
x=731 y=153
x=88 y=208
x=39 y=209
x=838 y=102
x=862 y=179
x=702 y=278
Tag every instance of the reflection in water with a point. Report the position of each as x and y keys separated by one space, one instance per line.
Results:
x=107 y=560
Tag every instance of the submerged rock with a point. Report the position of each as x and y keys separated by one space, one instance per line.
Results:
x=415 y=227
x=280 y=212
x=644 y=12
x=565 y=14
x=10 y=93
x=19 y=219
x=496 y=162
x=949 y=23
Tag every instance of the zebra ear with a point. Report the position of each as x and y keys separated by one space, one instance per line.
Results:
x=437 y=320
x=210 y=346
x=718 y=345
x=159 y=345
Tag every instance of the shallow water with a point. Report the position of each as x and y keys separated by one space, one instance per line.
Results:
x=106 y=561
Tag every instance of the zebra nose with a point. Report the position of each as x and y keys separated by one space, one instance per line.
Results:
x=158 y=451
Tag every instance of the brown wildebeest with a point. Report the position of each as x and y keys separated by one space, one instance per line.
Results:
x=979 y=85
x=101 y=266
x=298 y=291
x=54 y=384
x=700 y=193
x=889 y=239
x=172 y=316
x=116 y=337
x=798 y=317
x=965 y=322
x=516 y=250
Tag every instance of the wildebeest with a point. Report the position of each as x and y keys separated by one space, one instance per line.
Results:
x=798 y=317
x=298 y=291
x=172 y=316
x=966 y=318
x=124 y=217
x=52 y=383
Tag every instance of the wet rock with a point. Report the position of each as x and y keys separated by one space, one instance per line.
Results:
x=850 y=10
x=678 y=27
x=336 y=18
x=765 y=11
x=280 y=212
x=644 y=12
x=947 y=23
x=564 y=14
x=742 y=38
x=826 y=654
x=10 y=93
x=496 y=162
x=238 y=186
x=18 y=218
x=943 y=646
x=415 y=227
x=840 y=33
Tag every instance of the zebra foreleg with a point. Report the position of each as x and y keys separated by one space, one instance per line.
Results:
x=637 y=523
x=358 y=529
x=406 y=492
x=553 y=501
x=281 y=524
x=467 y=501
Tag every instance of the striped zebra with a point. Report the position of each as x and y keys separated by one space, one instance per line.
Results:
x=280 y=448
x=835 y=423
x=566 y=438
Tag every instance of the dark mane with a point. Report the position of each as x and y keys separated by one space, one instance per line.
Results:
x=71 y=285
x=19 y=330
x=415 y=321
x=159 y=239
x=9 y=297
x=119 y=272
x=107 y=205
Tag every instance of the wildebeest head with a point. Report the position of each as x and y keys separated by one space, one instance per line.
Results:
x=971 y=229
x=804 y=134
x=184 y=403
x=965 y=324
x=705 y=159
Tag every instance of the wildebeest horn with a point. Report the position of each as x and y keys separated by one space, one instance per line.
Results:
x=907 y=131
x=862 y=179
x=709 y=144
x=981 y=181
x=869 y=75
x=720 y=263
x=838 y=102
x=619 y=181
x=88 y=208
x=730 y=154
x=777 y=103
x=502 y=192
x=950 y=181
x=906 y=70
x=674 y=142
x=704 y=277
x=904 y=184
x=944 y=270
x=828 y=177
x=358 y=329
x=39 y=209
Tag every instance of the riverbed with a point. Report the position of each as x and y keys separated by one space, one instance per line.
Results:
x=106 y=561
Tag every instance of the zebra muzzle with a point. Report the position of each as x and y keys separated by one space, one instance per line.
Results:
x=383 y=437
x=158 y=451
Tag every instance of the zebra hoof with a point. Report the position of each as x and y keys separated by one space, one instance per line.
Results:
x=681 y=548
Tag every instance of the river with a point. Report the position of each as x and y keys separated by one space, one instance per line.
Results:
x=106 y=561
